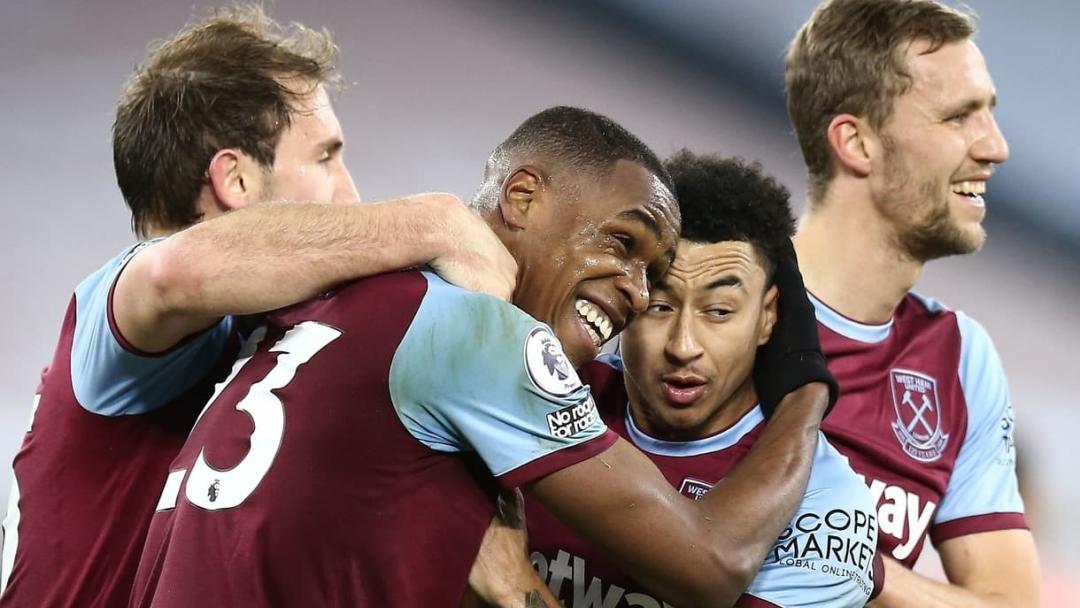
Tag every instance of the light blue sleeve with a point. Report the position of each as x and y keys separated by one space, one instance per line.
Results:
x=984 y=478
x=476 y=373
x=825 y=555
x=111 y=379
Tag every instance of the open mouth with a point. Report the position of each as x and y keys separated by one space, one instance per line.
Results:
x=683 y=390
x=597 y=324
x=972 y=190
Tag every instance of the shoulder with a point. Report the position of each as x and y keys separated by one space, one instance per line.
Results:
x=804 y=566
x=103 y=278
x=981 y=373
x=480 y=307
x=458 y=331
x=976 y=345
x=480 y=320
x=927 y=304
x=833 y=480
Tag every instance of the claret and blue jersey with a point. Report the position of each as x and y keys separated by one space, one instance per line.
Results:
x=107 y=421
x=925 y=417
x=361 y=440
x=824 y=557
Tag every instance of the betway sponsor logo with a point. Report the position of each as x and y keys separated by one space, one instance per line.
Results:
x=566 y=568
x=902 y=515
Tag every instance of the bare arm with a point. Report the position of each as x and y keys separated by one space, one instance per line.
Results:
x=502 y=575
x=271 y=255
x=692 y=553
x=987 y=570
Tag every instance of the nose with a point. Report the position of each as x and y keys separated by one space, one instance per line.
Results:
x=682 y=346
x=344 y=187
x=635 y=287
x=991 y=146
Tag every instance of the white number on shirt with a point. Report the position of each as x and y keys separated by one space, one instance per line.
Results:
x=214 y=489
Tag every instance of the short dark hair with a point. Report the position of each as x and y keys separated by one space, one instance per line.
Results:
x=730 y=199
x=226 y=82
x=570 y=139
x=848 y=58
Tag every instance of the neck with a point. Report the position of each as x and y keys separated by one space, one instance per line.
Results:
x=157 y=232
x=849 y=257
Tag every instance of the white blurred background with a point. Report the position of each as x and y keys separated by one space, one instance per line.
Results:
x=435 y=84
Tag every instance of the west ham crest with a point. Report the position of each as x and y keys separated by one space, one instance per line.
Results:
x=918 y=415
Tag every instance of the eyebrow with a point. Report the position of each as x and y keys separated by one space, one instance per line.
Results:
x=649 y=222
x=644 y=218
x=724 y=281
x=970 y=106
x=332 y=145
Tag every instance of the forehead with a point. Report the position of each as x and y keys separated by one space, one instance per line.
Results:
x=697 y=264
x=313 y=115
x=955 y=71
x=631 y=192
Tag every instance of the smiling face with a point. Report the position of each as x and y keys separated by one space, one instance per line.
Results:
x=689 y=356
x=585 y=263
x=940 y=145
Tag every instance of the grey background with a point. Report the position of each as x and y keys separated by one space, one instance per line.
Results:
x=435 y=85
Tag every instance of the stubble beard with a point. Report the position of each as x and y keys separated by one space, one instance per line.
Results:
x=921 y=216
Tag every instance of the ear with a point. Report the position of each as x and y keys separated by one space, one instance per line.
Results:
x=232 y=179
x=518 y=197
x=851 y=141
x=768 y=315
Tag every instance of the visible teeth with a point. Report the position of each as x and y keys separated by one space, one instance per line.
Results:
x=599 y=325
x=594 y=336
x=969 y=187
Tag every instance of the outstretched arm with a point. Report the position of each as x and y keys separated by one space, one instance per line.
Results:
x=271 y=255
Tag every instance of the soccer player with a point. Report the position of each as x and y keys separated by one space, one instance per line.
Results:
x=687 y=399
x=230 y=112
x=893 y=108
x=353 y=456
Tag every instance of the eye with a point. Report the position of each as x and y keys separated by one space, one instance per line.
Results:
x=624 y=240
x=331 y=152
x=658 y=307
x=720 y=313
x=958 y=118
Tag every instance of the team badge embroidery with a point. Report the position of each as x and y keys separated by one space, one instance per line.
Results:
x=918 y=415
x=548 y=367
x=694 y=488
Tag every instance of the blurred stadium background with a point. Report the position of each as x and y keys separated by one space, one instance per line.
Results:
x=435 y=84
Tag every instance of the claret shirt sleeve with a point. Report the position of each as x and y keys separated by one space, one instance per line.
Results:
x=474 y=373
x=983 y=493
x=112 y=378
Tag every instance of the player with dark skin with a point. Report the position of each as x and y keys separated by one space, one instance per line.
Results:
x=589 y=242
x=588 y=214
